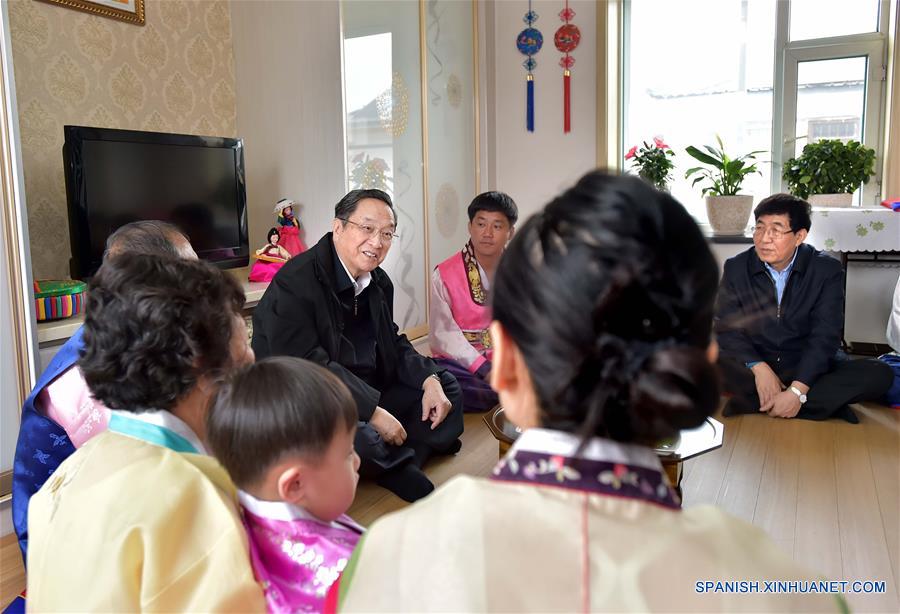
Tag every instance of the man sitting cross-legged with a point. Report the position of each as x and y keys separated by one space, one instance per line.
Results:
x=460 y=313
x=334 y=305
x=778 y=322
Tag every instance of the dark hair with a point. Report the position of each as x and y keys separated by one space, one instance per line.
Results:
x=154 y=325
x=616 y=317
x=348 y=204
x=148 y=237
x=272 y=231
x=797 y=210
x=494 y=201
x=274 y=407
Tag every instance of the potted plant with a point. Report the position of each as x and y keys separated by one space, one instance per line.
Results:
x=653 y=162
x=728 y=211
x=829 y=171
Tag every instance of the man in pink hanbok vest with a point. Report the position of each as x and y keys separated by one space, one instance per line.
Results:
x=460 y=313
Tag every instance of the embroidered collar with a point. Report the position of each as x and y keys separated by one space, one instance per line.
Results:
x=159 y=427
x=546 y=457
x=281 y=510
x=475 y=275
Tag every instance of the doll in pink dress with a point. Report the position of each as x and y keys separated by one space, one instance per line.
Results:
x=291 y=228
x=269 y=259
x=284 y=429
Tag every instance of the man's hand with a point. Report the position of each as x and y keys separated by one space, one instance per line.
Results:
x=768 y=386
x=435 y=404
x=785 y=405
x=387 y=426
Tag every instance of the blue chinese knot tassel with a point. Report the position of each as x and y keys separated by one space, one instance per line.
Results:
x=529 y=105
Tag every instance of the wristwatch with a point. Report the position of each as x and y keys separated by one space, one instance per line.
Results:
x=799 y=394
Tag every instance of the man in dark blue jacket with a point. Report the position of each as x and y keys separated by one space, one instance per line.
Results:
x=778 y=321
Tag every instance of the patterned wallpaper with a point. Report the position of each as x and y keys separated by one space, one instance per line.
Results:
x=174 y=74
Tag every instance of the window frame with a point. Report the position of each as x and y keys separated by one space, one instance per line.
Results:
x=788 y=56
x=614 y=27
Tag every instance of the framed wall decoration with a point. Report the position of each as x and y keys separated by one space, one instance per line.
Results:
x=131 y=11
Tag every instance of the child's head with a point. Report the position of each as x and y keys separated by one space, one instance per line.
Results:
x=284 y=428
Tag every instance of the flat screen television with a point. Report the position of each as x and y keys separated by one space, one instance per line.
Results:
x=114 y=177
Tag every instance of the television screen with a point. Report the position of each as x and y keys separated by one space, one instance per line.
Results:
x=114 y=177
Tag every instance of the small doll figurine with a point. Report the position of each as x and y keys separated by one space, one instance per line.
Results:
x=269 y=259
x=289 y=223
x=273 y=251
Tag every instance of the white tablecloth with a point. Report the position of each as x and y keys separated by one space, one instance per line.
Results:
x=855 y=229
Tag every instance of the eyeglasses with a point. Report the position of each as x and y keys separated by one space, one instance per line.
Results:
x=775 y=233
x=370 y=231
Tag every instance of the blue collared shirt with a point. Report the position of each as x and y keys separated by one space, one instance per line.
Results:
x=780 y=277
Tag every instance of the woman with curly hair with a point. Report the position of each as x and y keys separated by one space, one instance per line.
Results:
x=604 y=351
x=140 y=518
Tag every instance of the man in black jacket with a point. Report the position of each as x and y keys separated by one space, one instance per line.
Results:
x=334 y=305
x=778 y=321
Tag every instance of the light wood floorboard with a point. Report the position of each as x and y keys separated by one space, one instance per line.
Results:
x=864 y=553
x=815 y=537
x=846 y=480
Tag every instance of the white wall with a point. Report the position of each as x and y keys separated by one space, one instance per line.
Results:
x=535 y=167
x=287 y=58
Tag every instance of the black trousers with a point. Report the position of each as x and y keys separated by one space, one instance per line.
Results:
x=848 y=381
x=405 y=404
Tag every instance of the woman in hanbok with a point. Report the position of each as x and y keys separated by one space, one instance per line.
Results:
x=291 y=228
x=602 y=309
x=141 y=518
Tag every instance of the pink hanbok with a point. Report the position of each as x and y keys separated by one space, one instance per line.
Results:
x=296 y=557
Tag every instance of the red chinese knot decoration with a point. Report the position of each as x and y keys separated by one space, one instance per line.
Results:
x=566 y=40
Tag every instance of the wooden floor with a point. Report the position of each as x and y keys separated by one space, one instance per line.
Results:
x=826 y=492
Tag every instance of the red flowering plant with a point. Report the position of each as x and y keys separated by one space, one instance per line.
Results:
x=654 y=163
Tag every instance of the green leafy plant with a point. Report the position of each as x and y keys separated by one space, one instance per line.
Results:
x=725 y=174
x=653 y=162
x=829 y=166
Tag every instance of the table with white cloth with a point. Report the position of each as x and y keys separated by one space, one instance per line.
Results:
x=857 y=234
x=855 y=229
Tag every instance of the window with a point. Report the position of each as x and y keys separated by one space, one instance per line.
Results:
x=764 y=75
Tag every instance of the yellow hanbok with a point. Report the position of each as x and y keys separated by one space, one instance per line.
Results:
x=135 y=521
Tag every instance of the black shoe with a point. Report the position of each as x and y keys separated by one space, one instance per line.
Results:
x=407 y=482
x=455 y=447
x=847 y=414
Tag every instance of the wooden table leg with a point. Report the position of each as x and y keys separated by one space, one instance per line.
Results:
x=674 y=472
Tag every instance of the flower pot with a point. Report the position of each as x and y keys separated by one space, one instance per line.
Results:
x=729 y=214
x=830 y=200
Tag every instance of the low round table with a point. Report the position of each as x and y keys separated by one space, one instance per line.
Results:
x=690 y=443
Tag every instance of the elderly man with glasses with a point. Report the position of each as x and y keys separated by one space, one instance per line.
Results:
x=334 y=305
x=778 y=321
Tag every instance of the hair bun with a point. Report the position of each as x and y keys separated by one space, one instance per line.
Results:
x=676 y=388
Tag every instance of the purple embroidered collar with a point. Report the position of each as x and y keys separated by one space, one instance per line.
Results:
x=547 y=458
